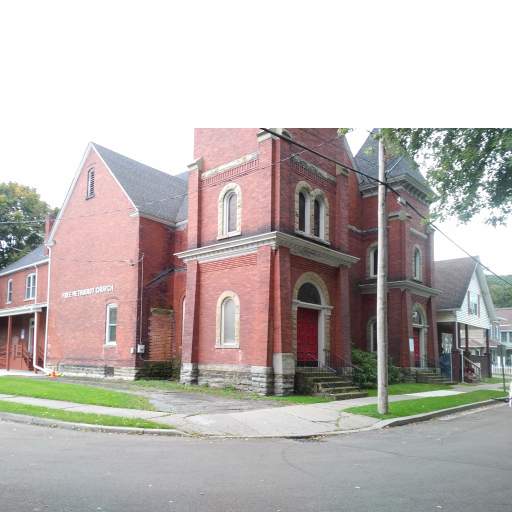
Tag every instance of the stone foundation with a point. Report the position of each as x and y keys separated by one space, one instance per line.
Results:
x=284 y=373
x=188 y=373
x=257 y=379
x=94 y=372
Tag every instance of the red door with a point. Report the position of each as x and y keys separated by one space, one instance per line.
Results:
x=416 y=336
x=307 y=337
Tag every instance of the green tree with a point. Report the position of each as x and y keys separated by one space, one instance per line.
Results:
x=470 y=168
x=21 y=213
x=500 y=292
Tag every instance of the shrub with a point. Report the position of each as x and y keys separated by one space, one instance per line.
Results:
x=365 y=375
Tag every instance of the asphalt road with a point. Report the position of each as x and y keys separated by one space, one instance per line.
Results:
x=457 y=464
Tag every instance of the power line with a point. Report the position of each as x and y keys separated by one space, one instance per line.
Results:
x=389 y=187
x=137 y=206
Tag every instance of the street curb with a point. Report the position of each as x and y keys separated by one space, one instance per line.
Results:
x=398 y=422
x=394 y=422
x=68 y=425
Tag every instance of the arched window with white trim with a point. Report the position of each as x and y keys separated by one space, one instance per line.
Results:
x=318 y=217
x=416 y=264
x=373 y=259
x=230 y=209
x=228 y=321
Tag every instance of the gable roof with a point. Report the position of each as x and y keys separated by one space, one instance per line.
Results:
x=367 y=160
x=33 y=257
x=154 y=193
x=452 y=277
x=505 y=315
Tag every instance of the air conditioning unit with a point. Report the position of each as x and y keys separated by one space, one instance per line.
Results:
x=141 y=349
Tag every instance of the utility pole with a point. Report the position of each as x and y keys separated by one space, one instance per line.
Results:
x=382 y=288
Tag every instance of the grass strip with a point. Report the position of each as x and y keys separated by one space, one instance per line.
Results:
x=77 y=393
x=78 y=417
x=410 y=387
x=424 y=405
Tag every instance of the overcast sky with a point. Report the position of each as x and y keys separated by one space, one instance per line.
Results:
x=117 y=73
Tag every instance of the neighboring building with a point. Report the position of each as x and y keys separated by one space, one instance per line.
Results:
x=257 y=262
x=23 y=306
x=505 y=317
x=467 y=322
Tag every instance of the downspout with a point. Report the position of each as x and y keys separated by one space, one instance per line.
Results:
x=34 y=348
x=43 y=369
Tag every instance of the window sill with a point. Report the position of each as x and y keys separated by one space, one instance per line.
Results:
x=312 y=237
x=227 y=346
x=110 y=344
x=30 y=298
x=229 y=235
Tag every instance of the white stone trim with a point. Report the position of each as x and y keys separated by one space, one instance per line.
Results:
x=418 y=233
x=298 y=246
x=219 y=342
x=222 y=212
x=369 y=260
x=420 y=269
x=413 y=286
x=230 y=165
x=324 y=212
x=313 y=168
x=324 y=313
x=23 y=310
x=303 y=186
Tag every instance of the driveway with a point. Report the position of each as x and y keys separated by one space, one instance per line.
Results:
x=183 y=402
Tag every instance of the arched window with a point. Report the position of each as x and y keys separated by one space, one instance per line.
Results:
x=228 y=321
x=318 y=217
x=309 y=293
x=227 y=334
x=416 y=264
x=373 y=259
x=372 y=335
x=230 y=211
x=302 y=211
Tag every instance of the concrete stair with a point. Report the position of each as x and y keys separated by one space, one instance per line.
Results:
x=327 y=384
x=431 y=377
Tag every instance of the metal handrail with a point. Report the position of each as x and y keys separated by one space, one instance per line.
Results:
x=476 y=367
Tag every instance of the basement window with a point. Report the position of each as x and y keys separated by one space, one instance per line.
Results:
x=90 y=183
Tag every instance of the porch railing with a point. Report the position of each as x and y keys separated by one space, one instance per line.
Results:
x=331 y=361
x=472 y=370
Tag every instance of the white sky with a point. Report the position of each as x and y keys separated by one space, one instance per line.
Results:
x=136 y=77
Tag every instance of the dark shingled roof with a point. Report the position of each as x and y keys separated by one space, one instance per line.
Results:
x=32 y=257
x=155 y=193
x=367 y=160
x=452 y=277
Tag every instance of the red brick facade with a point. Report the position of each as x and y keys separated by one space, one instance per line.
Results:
x=224 y=297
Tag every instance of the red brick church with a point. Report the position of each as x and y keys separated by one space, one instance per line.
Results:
x=257 y=261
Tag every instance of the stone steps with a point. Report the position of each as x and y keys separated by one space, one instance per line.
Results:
x=326 y=383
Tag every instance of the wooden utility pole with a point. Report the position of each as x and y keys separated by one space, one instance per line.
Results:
x=382 y=289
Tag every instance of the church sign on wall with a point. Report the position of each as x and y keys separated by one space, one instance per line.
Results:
x=95 y=290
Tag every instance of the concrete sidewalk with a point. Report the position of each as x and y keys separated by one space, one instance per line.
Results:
x=292 y=420
x=160 y=417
